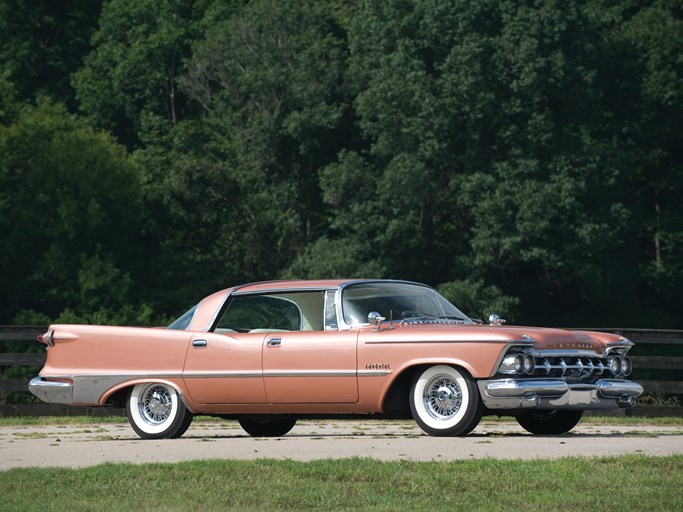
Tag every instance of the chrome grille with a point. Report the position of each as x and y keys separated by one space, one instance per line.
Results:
x=579 y=365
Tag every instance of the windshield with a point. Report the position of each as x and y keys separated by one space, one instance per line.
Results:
x=397 y=301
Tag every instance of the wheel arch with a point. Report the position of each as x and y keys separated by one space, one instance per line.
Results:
x=396 y=396
x=118 y=394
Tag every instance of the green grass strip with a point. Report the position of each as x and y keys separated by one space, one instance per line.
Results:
x=572 y=484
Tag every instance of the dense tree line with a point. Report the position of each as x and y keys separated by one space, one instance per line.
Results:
x=523 y=157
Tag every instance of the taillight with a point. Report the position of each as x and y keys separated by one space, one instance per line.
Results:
x=47 y=338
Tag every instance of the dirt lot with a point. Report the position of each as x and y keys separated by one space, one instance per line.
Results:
x=87 y=445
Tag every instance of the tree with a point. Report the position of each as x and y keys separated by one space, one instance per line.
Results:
x=644 y=91
x=69 y=217
x=42 y=42
x=484 y=158
x=270 y=81
x=129 y=83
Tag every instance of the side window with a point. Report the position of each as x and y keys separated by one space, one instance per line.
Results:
x=330 y=312
x=254 y=313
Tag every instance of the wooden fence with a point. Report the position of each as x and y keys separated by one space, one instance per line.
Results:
x=646 y=340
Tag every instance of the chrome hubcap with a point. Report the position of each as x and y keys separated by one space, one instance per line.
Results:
x=155 y=405
x=442 y=397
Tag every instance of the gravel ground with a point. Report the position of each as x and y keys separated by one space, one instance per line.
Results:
x=88 y=445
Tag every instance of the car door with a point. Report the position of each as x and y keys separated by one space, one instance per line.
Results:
x=310 y=367
x=225 y=368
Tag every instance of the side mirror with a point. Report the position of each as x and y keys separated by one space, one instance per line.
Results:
x=374 y=318
x=495 y=320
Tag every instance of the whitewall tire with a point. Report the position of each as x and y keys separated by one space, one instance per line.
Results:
x=445 y=401
x=155 y=411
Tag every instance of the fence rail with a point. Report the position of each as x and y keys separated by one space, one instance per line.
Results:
x=647 y=337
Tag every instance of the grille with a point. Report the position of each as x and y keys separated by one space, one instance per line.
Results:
x=578 y=367
x=582 y=367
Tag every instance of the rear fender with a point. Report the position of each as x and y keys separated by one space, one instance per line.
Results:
x=128 y=385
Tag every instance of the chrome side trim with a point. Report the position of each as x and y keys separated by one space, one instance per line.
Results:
x=309 y=373
x=422 y=342
x=222 y=375
x=374 y=373
x=271 y=373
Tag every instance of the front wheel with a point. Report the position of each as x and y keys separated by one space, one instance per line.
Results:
x=155 y=411
x=445 y=401
x=267 y=427
x=550 y=423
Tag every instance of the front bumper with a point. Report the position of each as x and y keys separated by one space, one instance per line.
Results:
x=52 y=392
x=558 y=394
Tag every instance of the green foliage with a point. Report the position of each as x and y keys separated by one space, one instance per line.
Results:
x=523 y=156
x=130 y=79
x=43 y=42
x=69 y=215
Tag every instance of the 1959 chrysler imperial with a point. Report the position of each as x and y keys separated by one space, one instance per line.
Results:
x=269 y=353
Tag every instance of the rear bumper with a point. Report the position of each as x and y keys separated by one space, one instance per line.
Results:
x=52 y=392
x=558 y=394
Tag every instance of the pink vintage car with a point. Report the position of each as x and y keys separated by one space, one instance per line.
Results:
x=269 y=353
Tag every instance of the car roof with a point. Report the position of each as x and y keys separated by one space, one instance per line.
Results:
x=297 y=284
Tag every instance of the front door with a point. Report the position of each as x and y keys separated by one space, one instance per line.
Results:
x=310 y=367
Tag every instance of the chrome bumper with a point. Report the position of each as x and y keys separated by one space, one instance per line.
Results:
x=52 y=392
x=558 y=394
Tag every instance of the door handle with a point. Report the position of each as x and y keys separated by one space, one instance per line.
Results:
x=199 y=343
x=274 y=342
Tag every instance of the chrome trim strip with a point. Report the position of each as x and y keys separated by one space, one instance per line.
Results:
x=566 y=353
x=287 y=373
x=374 y=373
x=222 y=375
x=389 y=342
x=624 y=344
x=308 y=373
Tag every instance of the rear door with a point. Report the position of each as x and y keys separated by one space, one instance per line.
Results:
x=225 y=368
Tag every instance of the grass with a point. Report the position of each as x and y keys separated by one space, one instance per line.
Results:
x=571 y=484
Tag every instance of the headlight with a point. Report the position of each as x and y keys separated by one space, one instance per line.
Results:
x=519 y=363
x=614 y=364
x=626 y=366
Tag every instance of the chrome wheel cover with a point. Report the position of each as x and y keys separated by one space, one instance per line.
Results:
x=155 y=404
x=442 y=397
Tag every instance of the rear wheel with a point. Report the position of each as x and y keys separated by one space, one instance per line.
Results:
x=445 y=401
x=549 y=422
x=155 y=411
x=267 y=427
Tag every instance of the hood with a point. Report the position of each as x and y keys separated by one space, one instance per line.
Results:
x=544 y=338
